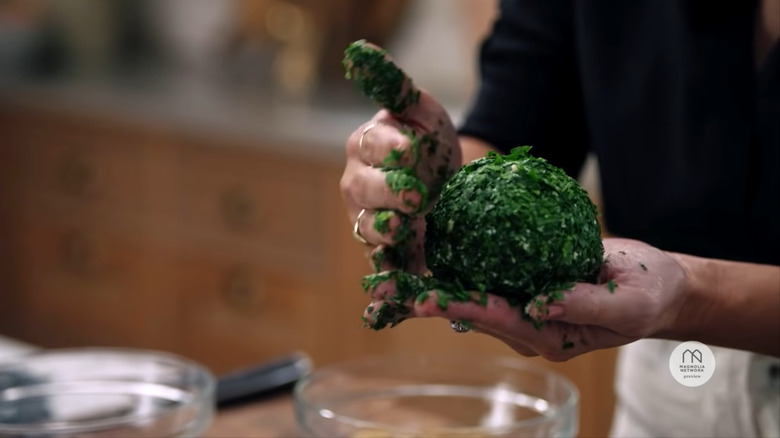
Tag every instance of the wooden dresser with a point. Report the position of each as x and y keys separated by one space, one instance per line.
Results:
x=231 y=250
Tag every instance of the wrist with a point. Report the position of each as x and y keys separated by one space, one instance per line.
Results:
x=725 y=303
x=697 y=297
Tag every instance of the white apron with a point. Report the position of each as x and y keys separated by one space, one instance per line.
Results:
x=742 y=399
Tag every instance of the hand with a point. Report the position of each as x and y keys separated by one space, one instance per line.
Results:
x=396 y=165
x=639 y=294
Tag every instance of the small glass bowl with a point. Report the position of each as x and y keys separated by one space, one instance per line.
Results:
x=453 y=395
x=98 y=392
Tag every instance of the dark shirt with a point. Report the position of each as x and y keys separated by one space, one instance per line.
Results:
x=666 y=94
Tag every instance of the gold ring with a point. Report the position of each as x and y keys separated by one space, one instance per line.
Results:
x=362 y=136
x=356 y=228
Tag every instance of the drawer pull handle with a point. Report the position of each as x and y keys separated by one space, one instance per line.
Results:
x=76 y=176
x=241 y=293
x=78 y=253
x=238 y=209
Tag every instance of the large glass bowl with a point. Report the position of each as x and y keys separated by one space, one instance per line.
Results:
x=455 y=395
x=104 y=393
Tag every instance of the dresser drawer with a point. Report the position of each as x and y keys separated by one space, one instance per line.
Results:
x=254 y=203
x=236 y=312
x=87 y=285
x=82 y=167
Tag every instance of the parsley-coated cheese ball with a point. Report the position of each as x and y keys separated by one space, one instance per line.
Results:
x=513 y=225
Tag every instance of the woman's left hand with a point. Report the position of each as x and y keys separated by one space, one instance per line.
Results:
x=639 y=294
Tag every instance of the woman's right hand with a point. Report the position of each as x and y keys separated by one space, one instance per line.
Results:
x=396 y=166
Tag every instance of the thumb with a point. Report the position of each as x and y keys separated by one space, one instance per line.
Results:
x=585 y=304
x=379 y=78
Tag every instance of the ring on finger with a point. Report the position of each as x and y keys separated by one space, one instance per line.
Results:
x=459 y=327
x=363 y=136
x=356 y=228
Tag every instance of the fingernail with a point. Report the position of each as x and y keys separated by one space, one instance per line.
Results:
x=411 y=199
x=553 y=311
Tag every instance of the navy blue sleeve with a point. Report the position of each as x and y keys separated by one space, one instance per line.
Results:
x=529 y=91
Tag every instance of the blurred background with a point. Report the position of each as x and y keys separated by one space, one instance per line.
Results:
x=169 y=176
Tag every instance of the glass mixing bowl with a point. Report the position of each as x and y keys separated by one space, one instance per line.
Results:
x=97 y=392
x=455 y=395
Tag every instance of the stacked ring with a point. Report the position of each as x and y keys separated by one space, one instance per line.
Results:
x=459 y=327
x=356 y=228
x=363 y=136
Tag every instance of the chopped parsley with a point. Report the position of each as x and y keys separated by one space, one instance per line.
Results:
x=393 y=159
x=382 y=221
x=378 y=78
x=410 y=288
x=566 y=344
x=514 y=225
x=405 y=180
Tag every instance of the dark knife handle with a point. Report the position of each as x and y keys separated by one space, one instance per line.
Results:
x=262 y=379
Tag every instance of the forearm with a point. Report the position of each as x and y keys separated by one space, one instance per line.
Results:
x=473 y=148
x=730 y=304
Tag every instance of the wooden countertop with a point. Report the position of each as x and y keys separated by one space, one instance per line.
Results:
x=267 y=418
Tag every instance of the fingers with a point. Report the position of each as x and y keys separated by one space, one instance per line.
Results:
x=627 y=311
x=408 y=256
x=496 y=316
x=381 y=260
x=369 y=188
x=397 y=151
x=555 y=341
x=584 y=304
x=385 y=227
x=378 y=77
x=383 y=143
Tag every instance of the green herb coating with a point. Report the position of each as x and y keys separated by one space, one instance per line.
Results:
x=554 y=296
x=415 y=143
x=406 y=180
x=483 y=299
x=377 y=258
x=566 y=344
x=611 y=285
x=393 y=159
x=423 y=297
x=378 y=78
x=404 y=232
x=514 y=225
x=442 y=300
x=398 y=256
x=410 y=288
x=382 y=221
